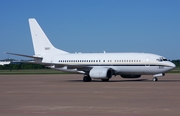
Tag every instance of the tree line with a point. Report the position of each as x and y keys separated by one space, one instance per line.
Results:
x=176 y=62
x=20 y=66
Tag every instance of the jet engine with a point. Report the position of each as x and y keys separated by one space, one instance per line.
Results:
x=130 y=76
x=101 y=73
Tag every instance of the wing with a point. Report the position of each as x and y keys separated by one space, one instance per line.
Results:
x=65 y=67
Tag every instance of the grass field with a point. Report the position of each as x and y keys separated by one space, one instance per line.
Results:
x=175 y=71
x=48 y=71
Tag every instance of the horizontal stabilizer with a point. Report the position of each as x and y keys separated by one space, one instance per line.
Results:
x=23 y=55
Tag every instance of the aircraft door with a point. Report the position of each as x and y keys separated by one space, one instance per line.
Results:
x=147 y=62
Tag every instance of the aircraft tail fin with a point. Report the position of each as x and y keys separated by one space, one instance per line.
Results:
x=41 y=43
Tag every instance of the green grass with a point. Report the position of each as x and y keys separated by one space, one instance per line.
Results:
x=31 y=71
x=175 y=71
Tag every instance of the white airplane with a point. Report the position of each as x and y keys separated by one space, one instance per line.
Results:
x=95 y=65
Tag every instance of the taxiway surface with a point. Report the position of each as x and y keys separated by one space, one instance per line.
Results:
x=67 y=95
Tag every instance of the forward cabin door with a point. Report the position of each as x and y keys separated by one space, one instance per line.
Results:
x=147 y=61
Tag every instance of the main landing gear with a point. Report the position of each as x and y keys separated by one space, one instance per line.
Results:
x=87 y=78
x=155 y=79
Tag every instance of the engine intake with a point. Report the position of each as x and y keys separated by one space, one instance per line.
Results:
x=101 y=73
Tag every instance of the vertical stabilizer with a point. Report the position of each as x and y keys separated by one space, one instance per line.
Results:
x=41 y=44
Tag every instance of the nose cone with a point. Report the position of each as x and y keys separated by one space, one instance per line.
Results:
x=169 y=66
x=172 y=65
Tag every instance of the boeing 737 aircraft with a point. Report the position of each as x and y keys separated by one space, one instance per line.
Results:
x=95 y=65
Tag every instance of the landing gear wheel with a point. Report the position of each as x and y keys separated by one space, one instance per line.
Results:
x=155 y=79
x=87 y=79
x=105 y=80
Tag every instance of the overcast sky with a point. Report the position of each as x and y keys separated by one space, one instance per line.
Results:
x=151 y=26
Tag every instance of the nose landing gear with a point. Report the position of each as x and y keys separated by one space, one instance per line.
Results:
x=157 y=75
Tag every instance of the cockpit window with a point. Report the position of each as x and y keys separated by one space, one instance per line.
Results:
x=165 y=59
x=161 y=59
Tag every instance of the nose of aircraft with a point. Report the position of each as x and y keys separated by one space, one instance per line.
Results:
x=172 y=65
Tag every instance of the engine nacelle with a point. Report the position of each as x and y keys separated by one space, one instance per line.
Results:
x=101 y=73
x=130 y=76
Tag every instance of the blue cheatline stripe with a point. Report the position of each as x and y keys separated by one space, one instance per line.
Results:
x=116 y=65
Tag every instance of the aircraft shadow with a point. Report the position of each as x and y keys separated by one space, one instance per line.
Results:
x=137 y=80
x=169 y=81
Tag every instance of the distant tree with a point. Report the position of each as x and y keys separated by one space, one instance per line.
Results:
x=177 y=63
x=21 y=66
